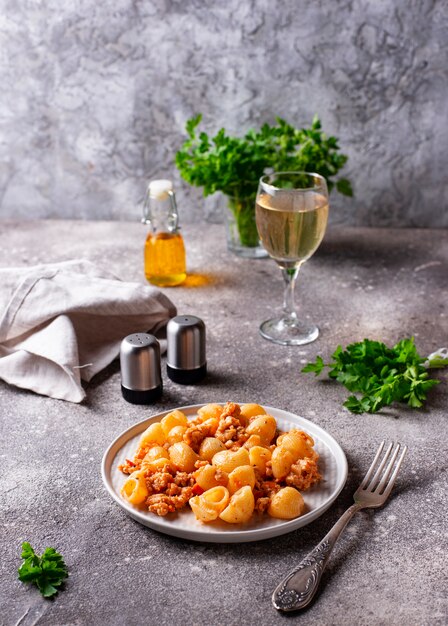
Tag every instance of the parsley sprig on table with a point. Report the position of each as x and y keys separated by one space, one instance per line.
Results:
x=381 y=375
x=47 y=571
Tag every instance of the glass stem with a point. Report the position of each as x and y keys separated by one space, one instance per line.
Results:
x=289 y=309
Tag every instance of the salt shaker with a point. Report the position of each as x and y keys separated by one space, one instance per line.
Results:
x=186 y=359
x=141 y=378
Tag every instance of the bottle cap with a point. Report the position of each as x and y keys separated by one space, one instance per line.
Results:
x=141 y=378
x=159 y=188
x=186 y=361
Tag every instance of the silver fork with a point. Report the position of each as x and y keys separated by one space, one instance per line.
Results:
x=298 y=588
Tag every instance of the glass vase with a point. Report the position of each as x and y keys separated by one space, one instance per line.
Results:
x=241 y=229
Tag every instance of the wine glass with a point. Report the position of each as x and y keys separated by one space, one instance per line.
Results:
x=291 y=214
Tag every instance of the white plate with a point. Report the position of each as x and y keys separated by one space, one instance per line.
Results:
x=332 y=465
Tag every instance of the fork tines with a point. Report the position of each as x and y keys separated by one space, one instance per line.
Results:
x=383 y=479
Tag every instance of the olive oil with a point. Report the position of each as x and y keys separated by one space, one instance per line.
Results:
x=165 y=259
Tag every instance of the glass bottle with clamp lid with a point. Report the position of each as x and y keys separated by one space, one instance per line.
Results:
x=164 y=254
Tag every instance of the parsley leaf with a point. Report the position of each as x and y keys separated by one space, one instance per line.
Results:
x=381 y=375
x=316 y=367
x=47 y=571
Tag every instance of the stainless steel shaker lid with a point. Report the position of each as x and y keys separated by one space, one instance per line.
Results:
x=185 y=342
x=140 y=362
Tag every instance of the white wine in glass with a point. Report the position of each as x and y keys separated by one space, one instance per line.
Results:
x=291 y=214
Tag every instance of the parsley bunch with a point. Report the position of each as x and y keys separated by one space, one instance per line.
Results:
x=47 y=571
x=381 y=375
x=234 y=165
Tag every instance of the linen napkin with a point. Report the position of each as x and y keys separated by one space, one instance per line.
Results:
x=62 y=323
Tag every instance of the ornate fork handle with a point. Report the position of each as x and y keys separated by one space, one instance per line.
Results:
x=298 y=588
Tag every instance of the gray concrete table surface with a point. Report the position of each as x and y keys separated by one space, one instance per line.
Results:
x=390 y=565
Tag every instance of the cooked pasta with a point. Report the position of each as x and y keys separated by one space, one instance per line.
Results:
x=258 y=457
x=173 y=419
x=227 y=463
x=183 y=456
x=134 y=489
x=240 y=477
x=264 y=426
x=207 y=477
x=240 y=507
x=208 y=506
x=209 y=447
x=228 y=460
x=286 y=504
x=281 y=462
x=153 y=435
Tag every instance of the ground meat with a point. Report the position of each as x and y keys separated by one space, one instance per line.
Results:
x=182 y=479
x=181 y=500
x=200 y=464
x=227 y=428
x=262 y=504
x=232 y=409
x=266 y=488
x=303 y=474
x=160 y=504
x=158 y=481
x=263 y=491
x=128 y=467
x=221 y=477
x=173 y=489
x=230 y=428
x=233 y=445
x=136 y=463
x=142 y=452
x=195 y=435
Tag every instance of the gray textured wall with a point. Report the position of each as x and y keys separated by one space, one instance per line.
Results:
x=95 y=94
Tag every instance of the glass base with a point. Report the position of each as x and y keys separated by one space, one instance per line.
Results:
x=289 y=332
x=257 y=252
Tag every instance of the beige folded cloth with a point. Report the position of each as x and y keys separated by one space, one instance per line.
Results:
x=64 y=322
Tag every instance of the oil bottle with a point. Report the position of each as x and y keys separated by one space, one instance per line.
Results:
x=164 y=254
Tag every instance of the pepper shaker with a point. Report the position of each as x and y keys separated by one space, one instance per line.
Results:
x=186 y=360
x=141 y=378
